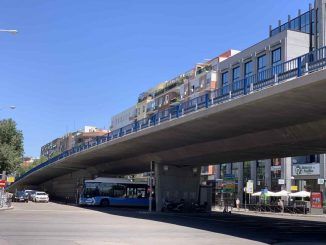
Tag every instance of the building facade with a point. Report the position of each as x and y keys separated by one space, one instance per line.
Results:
x=123 y=118
x=70 y=140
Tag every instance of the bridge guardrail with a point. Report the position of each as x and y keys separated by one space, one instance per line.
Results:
x=297 y=67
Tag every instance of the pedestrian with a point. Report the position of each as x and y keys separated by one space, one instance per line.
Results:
x=281 y=205
x=237 y=202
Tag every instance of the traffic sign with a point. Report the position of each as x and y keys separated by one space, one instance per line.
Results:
x=2 y=183
x=10 y=179
x=250 y=187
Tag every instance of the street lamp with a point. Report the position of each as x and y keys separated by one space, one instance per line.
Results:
x=9 y=31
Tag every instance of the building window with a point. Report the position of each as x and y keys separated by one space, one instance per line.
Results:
x=276 y=56
x=248 y=69
x=225 y=78
x=276 y=61
x=261 y=63
x=261 y=66
x=236 y=74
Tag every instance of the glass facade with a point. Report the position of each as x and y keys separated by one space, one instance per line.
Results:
x=301 y=23
x=276 y=170
x=260 y=175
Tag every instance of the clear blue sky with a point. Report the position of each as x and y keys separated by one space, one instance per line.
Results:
x=77 y=63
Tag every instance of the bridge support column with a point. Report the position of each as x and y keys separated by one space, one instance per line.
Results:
x=323 y=173
x=286 y=173
x=174 y=183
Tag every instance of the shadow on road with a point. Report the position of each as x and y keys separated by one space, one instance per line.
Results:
x=261 y=229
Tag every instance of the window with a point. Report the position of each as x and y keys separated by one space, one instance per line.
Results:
x=260 y=174
x=166 y=99
x=276 y=61
x=276 y=56
x=225 y=79
x=261 y=66
x=236 y=73
x=248 y=69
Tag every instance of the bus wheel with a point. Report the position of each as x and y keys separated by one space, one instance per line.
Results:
x=105 y=203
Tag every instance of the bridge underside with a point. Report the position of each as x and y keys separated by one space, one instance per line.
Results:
x=284 y=120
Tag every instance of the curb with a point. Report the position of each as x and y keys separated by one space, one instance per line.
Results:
x=8 y=208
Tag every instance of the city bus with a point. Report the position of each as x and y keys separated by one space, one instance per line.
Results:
x=114 y=192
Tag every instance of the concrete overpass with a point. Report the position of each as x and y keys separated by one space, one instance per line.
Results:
x=287 y=119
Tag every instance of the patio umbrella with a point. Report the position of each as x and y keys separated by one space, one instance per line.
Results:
x=281 y=194
x=300 y=194
x=257 y=194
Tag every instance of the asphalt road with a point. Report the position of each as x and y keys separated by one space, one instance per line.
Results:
x=51 y=223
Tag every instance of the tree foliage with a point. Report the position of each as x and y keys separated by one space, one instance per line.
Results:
x=11 y=145
x=23 y=169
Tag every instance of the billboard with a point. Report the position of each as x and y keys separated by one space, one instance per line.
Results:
x=316 y=200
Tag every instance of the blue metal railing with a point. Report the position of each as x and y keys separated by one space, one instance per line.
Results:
x=305 y=64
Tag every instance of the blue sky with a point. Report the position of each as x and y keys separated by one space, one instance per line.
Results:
x=77 y=63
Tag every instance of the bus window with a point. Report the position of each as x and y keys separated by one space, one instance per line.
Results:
x=119 y=191
x=141 y=192
x=105 y=189
x=91 y=189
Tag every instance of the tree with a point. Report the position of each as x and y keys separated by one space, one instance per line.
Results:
x=23 y=169
x=11 y=146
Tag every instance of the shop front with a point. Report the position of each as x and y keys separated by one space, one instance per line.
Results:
x=306 y=176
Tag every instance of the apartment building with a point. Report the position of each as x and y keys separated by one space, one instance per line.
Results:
x=70 y=140
x=123 y=118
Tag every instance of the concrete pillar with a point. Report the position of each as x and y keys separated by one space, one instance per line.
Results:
x=321 y=5
x=286 y=174
x=175 y=183
x=253 y=173
x=268 y=174
x=323 y=171
x=240 y=180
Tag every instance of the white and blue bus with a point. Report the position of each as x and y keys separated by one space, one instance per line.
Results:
x=114 y=192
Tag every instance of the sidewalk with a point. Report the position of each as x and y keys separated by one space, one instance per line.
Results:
x=270 y=214
x=6 y=208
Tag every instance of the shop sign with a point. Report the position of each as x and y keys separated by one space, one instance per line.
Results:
x=250 y=187
x=2 y=183
x=10 y=179
x=306 y=169
x=321 y=181
x=281 y=182
x=294 y=188
x=229 y=183
x=276 y=168
x=316 y=200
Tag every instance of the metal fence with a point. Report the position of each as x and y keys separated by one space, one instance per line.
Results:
x=300 y=66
